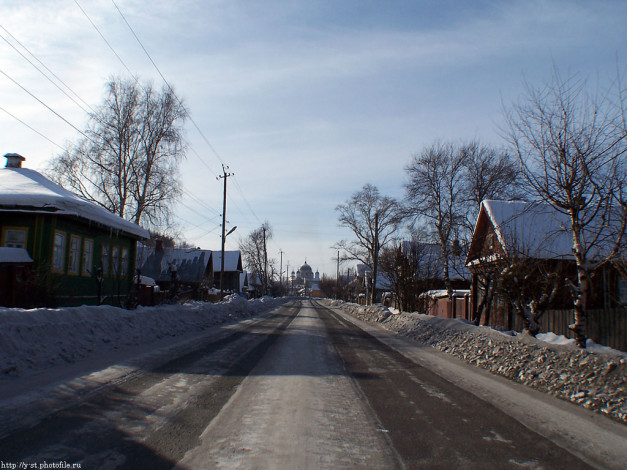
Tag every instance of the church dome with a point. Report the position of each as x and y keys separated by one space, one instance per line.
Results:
x=306 y=271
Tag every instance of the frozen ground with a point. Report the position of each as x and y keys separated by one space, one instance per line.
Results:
x=36 y=340
x=54 y=356
x=593 y=378
x=65 y=353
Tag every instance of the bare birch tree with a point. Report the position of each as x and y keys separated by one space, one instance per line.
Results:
x=411 y=271
x=254 y=249
x=436 y=195
x=128 y=161
x=572 y=148
x=373 y=219
x=489 y=173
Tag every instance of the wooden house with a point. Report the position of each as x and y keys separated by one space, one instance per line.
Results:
x=232 y=270
x=181 y=271
x=510 y=230
x=82 y=253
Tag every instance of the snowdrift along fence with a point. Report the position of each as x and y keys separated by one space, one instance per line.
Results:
x=607 y=327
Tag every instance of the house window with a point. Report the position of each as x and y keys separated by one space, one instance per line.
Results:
x=75 y=255
x=58 y=253
x=491 y=241
x=622 y=290
x=14 y=237
x=105 y=259
x=115 y=261
x=124 y=261
x=88 y=256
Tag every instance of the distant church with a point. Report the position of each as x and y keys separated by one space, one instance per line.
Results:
x=305 y=282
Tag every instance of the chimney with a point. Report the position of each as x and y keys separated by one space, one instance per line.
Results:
x=14 y=160
x=159 y=245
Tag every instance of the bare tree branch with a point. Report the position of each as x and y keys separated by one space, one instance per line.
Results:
x=572 y=147
x=129 y=164
x=374 y=220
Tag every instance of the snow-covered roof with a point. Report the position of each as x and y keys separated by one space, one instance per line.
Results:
x=441 y=293
x=243 y=279
x=431 y=261
x=14 y=255
x=530 y=229
x=383 y=282
x=362 y=270
x=145 y=280
x=232 y=261
x=190 y=264
x=23 y=189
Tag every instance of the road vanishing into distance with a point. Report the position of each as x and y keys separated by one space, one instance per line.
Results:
x=310 y=387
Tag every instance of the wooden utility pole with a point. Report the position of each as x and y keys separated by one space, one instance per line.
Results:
x=265 y=262
x=375 y=258
x=281 y=270
x=337 y=276
x=224 y=176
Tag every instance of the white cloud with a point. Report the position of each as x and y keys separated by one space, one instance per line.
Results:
x=304 y=100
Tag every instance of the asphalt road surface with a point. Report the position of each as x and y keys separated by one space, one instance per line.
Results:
x=304 y=387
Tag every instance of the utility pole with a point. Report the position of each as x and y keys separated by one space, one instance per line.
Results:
x=337 y=276
x=265 y=262
x=375 y=257
x=281 y=270
x=224 y=175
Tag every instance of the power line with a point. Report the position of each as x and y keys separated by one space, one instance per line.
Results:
x=31 y=128
x=204 y=234
x=204 y=137
x=200 y=201
x=137 y=79
x=49 y=108
x=241 y=192
x=166 y=82
x=207 y=219
x=191 y=225
x=43 y=73
x=105 y=40
x=202 y=161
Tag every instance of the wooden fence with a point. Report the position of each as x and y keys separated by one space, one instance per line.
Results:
x=607 y=327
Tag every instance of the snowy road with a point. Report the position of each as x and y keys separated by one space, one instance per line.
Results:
x=306 y=388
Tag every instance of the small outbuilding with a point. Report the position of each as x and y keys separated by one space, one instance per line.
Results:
x=232 y=270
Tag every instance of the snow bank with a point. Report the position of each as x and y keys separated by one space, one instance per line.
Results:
x=593 y=378
x=34 y=340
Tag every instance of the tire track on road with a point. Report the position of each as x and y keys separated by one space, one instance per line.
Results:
x=151 y=420
x=431 y=422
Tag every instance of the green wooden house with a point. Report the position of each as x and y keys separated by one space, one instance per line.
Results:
x=82 y=253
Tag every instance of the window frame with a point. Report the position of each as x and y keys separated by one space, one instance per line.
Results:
x=74 y=259
x=87 y=257
x=621 y=287
x=60 y=257
x=124 y=261
x=115 y=261
x=105 y=259
x=7 y=229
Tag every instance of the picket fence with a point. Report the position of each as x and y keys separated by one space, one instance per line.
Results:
x=607 y=327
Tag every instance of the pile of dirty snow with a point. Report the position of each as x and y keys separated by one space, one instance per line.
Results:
x=39 y=339
x=592 y=377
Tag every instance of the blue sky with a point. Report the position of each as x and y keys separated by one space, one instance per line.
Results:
x=306 y=101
